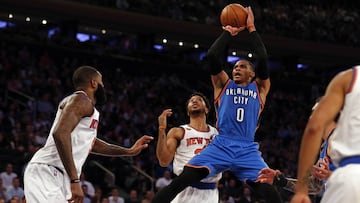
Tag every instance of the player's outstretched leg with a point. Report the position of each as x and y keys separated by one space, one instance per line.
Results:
x=187 y=177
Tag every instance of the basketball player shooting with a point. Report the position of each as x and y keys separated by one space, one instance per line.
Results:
x=242 y=100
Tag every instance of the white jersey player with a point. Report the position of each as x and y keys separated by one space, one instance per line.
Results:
x=342 y=95
x=182 y=143
x=53 y=173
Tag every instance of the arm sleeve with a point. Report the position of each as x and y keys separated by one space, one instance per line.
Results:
x=262 y=68
x=214 y=60
x=280 y=180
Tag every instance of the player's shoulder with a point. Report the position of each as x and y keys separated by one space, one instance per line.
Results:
x=78 y=102
x=345 y=77
x=177 y=132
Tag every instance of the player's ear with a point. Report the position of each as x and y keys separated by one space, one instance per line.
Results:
x=252 y=74
x=93 y=83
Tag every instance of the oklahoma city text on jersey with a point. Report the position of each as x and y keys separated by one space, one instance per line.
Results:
x=241 y=95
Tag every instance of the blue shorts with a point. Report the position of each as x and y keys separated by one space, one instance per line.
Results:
x=241 y=157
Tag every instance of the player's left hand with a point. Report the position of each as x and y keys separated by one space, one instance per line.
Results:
x=77 y=194
x=141 y=144
x=233 y=30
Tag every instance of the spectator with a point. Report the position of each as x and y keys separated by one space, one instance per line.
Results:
x=2 y=190
x=133 y=197
x=87 y=198
x=148 y=196
x=15 y=190
x=89 y=185
x=8 y=175
x=98 y=195
x=114 y=197
x=163 y=181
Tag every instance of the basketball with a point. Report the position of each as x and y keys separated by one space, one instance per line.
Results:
x=234 y=15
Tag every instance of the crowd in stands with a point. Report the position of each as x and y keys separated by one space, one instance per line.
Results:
x=320 y=21
x=35 y=77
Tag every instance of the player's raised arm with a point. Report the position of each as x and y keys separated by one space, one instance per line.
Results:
x=262 y=67
x=167 y=142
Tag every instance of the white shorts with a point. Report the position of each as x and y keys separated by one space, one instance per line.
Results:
x=343 y=185
x=195 y=195
x=44 y=183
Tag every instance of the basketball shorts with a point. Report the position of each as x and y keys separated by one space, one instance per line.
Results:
x=45 y=183
x=343 y=185
x=241 y=157
x=192 y=194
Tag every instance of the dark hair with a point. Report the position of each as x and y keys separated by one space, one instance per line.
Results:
x=252 y=65
x=207 y=103
x=83 y=74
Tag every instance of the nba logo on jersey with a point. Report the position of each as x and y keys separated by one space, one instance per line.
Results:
x=94 y=124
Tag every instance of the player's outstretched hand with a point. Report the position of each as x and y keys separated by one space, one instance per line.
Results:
x=141 y=144
x=267 y=175
x=77 y=194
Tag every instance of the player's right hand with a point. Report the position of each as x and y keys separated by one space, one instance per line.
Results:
x=163 y=117
x=250 y=18
x=77 y=194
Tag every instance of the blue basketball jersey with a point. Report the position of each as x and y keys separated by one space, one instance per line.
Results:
x=324 y=152
x=237 y=110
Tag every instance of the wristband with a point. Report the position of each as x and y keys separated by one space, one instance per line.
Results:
x=75 y=181
x=162 y=127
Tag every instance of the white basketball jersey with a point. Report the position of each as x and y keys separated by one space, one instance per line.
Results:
x=346 y=136
x=193 y=142
x=82 y=139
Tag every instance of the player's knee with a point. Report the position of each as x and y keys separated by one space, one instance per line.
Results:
x=195 y=173
x=188 y=176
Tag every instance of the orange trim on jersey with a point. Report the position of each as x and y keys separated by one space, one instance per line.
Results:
x=260 y=100
x=193 y=166
x=183 y=134
x=202 y=131
x=353 y=79
x=217 y=101
x=258 y=92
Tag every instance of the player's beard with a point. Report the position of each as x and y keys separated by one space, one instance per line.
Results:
x=196 y=112
x=100 y=95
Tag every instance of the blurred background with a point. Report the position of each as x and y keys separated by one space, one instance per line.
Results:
x=149 y=53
